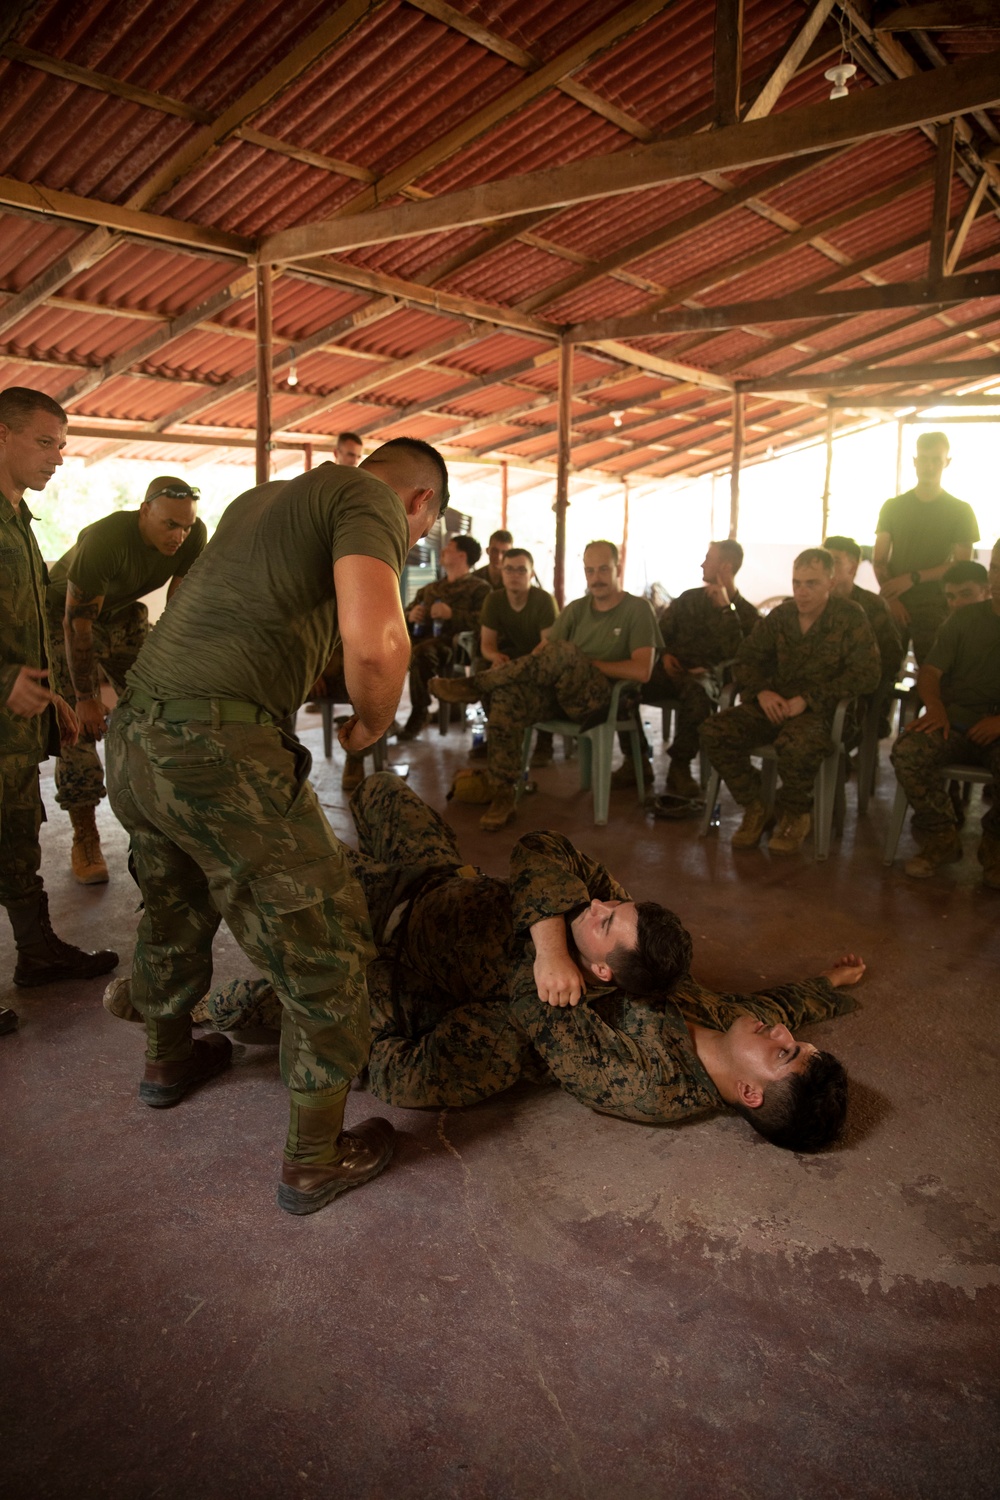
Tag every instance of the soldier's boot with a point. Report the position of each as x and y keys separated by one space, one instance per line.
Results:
x=166 y=1083
x=354 y=772
x=680 y=781
x=938 y=849
x=989 y=858
x=625 y=774
x=8 y=1019
x=790 y=834
x=455 y=689
x=322 y=1159
x=117 y=1001
x=500 y=810
x=413 y=726
x=43 y=958
x=86 y=856
x=755 y=820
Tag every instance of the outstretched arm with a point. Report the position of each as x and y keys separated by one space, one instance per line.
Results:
x=376 y=645
x=78 y=632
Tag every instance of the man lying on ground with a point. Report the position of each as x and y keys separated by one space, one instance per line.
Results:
x=557 y=973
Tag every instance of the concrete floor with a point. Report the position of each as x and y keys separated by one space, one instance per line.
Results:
x=534 y=1301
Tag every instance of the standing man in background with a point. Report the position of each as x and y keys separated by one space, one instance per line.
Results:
x=348 y=450
x=33 y=719
x=918 y=535
x=497 y=547
x=96 y=621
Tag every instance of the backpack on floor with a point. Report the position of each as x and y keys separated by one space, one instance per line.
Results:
x=471 y=785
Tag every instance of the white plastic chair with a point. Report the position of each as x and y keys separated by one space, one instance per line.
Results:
x=981 y=774
x=596 y=748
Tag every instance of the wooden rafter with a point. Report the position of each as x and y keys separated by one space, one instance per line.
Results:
x=790 y=63
x=860 y=375
x=727 y=60
x=944 y=166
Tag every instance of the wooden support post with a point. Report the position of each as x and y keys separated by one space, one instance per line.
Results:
x=734 y=472
x=829 y=470
x=262 y=289
x=503 y=494
x=624 y=552
x=307 y=456
x=943 y=168
x=728 y=60
x=562 y=468
x=899 y=457
x=711 y=509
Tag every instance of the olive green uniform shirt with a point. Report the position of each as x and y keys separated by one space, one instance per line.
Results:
x=967 y=652
x=22 y=631
x=924 y=534
x=518 y=631
x=608 y=634
x=257 y=616
x=110 y=559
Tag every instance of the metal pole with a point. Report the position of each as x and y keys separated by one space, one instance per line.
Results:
x=624 y=551
x=829 y=471
x=307 y=455
x=503 y=494
x=734 y=473
x=262 y=290
x=562 y=468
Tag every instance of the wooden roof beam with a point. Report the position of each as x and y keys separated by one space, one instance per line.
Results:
x=861 y=375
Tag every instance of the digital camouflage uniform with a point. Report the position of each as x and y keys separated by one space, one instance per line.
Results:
x=222 y=820
x=890 y=649
x=24 y=743
x=455 y=1014
x=432 y=654
x=699 y=635
x=836 y=658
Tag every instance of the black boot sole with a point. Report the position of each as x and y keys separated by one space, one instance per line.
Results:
x=296 y=1201
x=65 y=973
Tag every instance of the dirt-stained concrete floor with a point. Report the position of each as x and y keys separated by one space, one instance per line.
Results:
x=535 y=1300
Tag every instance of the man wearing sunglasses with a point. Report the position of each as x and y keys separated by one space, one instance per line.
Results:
x=96 y=620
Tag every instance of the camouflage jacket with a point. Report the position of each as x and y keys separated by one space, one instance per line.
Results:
x=23 y=581
x=464 y=598
x=884 y=626
x=836 y=658
x=699 y=634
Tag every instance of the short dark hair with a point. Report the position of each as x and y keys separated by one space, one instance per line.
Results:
x=661 y=955
x=926 y=438
x=501 y=536
x=731 y=551
x=817 y=555
x=349 y=437
x=519 y=552
x=806 y=1111
x=967 y=571
x=469 y=546
x=603 y=542
x=845 y=544
x=418 y=448
x=17 y=403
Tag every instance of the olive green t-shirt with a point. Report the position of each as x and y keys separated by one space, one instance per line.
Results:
x=110 y=559
x=924 y=532
x=967 y=651
x=609 y=634
x=518 y=631
x=257 y=617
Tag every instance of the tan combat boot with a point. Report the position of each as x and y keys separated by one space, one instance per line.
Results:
x=86 y=858
x=680 y=781
x=755 y=820
x=790 y=834
x=943 y=848
x=500 y=810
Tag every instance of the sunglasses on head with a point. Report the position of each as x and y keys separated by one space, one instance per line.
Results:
x=174 y=492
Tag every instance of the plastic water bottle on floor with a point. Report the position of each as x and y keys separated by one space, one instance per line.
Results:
x=478 y=734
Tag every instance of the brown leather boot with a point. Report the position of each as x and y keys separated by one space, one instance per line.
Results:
x=42 y=958
x=357 y=1155
x=86 y=858
x=167 y=1083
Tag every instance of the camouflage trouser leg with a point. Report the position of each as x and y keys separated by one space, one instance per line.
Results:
x=78 y=774
x=429 y=658
x=559 y=683
x=917 y=760
x=242 y=1002
x=800 y=744
x=926 y=619
x=472 y=1051
x=21 y=816
x=397 y=833
x=695 y=706
x=223 y=823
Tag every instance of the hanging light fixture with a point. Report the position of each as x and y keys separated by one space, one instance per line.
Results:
x=293 y=378
x=838 y=76
x=616 y=417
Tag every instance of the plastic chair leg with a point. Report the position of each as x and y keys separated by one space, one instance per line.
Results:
x=711 y=798
x=896 y=821
x=602 y=745
x=637 y=761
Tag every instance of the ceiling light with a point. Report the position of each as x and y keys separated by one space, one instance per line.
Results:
x=616 y=417
x=838 y=76
x=293 y=378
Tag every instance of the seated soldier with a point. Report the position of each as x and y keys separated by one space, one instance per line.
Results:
x=808 y=653
x=959 y=684
x=480 y=981
x=846 y=556
x=516 y=618
x=607 y=635
x=440 y=612
x=702 y=628
x=966 y=583
x=497 y=547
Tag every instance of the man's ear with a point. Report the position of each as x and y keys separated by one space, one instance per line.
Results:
x=749 y=1095
x=416 y=500
x=601 y=972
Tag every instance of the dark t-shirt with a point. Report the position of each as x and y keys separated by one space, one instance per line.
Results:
x=924 y=532
x=257 y=618
x=109 y=559
x=518 y=632
x=967 y=651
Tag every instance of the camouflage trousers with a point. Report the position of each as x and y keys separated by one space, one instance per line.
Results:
x=693 y=700
x=917 y=760
x=428 y=658
x=224 y=824
x=800 y=743
x=21 y=816
x=558 y=683
x=79 y=777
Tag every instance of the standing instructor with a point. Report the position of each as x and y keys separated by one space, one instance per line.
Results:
x=222 y=818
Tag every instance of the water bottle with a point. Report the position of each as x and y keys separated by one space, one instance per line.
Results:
x=438 y=627
x=478 y=734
